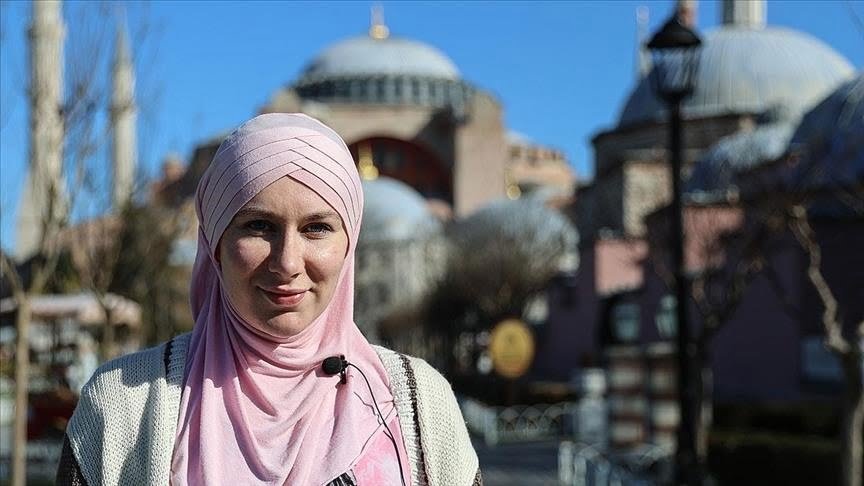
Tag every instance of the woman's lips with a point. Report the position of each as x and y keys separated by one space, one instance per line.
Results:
x=285 y=298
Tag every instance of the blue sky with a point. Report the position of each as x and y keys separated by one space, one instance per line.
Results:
x=562 y=70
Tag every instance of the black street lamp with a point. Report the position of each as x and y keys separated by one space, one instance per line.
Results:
x=675 y=52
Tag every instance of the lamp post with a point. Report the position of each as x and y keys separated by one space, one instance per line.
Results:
x=675 y=52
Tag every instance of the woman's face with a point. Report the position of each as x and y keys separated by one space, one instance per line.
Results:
x=281 y=257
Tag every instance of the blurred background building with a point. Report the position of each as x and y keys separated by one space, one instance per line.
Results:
x=754 y=84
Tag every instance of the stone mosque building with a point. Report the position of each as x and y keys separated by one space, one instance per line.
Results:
x=403 y=107
x=755 y=84
x=406 y=113
x=429 y=145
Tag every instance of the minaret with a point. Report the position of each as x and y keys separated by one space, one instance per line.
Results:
x=743 y=13
x=123 y=121
x=643 y=58
x=687 y=10
x=42 y=201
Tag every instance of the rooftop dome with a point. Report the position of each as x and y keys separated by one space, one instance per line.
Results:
x=829 y=143
x=394 y=211
x=367 y=56
x=750 y=70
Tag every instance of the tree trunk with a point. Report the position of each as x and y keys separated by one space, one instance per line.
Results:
x=853 y=421
x=22 y=379
x=704 y=415
x=698 y=402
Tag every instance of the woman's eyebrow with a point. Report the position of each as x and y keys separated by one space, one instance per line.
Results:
x=254 y=211
x=322 y=215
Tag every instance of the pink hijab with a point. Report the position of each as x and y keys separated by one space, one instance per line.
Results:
x=257 y=409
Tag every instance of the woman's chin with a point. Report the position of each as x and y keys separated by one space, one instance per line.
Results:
x=284 y=326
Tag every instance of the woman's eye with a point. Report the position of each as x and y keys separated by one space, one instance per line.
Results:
x=318 y=228
x=257 y=226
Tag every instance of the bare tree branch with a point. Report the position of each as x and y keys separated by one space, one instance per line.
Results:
x=803 y=232
x=8 y=269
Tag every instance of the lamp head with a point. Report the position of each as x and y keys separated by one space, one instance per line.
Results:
x=675 y=51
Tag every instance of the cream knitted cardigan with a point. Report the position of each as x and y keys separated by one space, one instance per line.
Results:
x=123 y=430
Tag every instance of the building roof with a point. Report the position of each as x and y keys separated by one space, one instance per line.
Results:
x=750 y=70
x=828 y=144
x=393 y=211
x=364 y=56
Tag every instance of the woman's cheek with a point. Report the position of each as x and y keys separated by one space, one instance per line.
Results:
x=248 y=254
x=329 y=260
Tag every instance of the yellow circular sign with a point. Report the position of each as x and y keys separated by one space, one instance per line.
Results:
x=511 y=346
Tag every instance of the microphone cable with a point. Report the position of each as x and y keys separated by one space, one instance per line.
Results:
x=389 y=434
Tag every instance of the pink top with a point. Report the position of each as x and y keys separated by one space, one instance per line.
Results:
x=378 y=464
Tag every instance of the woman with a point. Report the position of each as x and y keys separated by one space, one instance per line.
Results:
x=250 y=396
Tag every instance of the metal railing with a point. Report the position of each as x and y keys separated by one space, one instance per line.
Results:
x=586 y=465
x=518 y=423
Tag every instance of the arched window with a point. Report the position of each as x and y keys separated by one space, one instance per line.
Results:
x=412 y=164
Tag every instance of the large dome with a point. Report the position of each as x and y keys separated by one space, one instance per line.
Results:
x=366 y=56
x=383 y=70
x=750 y=70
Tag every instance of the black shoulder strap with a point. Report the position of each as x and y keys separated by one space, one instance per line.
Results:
x=478 y=479
x=346 y=479
x=166 y=355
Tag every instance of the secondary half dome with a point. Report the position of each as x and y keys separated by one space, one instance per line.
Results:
x=750 y=70
x=828 y=145
x=714 y=175
x=393 y=211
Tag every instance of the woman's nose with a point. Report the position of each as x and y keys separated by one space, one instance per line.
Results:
x=286 y=256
